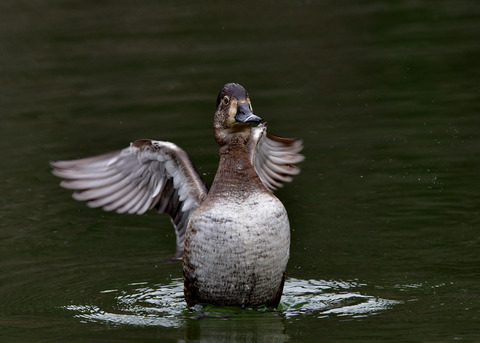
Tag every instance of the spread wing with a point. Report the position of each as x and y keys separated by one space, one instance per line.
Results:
x=148 y=174
x=274 y=157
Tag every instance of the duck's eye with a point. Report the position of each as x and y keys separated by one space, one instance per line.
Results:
x=226 y=100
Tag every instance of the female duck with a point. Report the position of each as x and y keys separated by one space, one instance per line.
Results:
x=235 y=238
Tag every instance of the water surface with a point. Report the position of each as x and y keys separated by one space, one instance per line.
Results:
x=384 y=216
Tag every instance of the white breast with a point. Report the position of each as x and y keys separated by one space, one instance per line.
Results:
x=238 y=248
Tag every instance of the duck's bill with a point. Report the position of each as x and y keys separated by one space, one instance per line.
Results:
x=245 y=115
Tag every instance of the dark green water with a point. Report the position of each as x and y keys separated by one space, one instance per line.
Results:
x=385 y=214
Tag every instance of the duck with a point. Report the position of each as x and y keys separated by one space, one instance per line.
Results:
x=234 y=238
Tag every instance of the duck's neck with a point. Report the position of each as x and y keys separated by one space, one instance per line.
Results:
x=235 y=171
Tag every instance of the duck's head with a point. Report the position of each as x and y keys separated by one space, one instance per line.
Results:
x=234 y=115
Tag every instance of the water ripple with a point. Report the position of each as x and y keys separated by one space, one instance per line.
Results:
x=164 y=305
x=323 y=298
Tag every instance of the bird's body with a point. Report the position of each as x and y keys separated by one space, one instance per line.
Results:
x=237 y=242
x=235 y=238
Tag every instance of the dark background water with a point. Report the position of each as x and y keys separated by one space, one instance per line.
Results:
x=386 y=96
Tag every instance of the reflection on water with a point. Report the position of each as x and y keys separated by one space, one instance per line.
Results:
x=164 y=305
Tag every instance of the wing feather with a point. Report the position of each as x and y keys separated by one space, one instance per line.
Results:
x=148 y=174
x=274 y=157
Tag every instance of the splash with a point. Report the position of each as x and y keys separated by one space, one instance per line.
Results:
x=164 y=305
